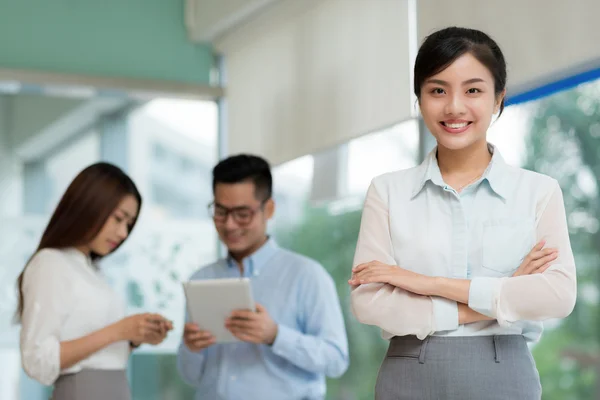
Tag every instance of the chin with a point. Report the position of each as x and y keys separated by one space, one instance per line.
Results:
x=103 y=252
x=237 y=247
x=456 y=143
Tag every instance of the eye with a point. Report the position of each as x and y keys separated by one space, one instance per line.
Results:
x=244 y=214
x=118 y=219
x=437 y=91
x=473 y=91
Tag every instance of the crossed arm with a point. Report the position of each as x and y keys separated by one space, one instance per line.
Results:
x=404 y=302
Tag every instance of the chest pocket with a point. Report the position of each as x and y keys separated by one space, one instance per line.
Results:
x=505 y=243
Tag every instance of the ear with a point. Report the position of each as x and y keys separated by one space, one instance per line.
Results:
x=270 y=208
x=499 y=99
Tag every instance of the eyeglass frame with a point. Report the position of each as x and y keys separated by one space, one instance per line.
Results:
x=213 y=206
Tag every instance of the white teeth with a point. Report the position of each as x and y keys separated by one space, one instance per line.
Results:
x=456 y=126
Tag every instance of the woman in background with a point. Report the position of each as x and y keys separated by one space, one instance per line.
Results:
x=74 y=333
x=444 y=261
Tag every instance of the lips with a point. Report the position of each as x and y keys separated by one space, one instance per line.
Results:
x=113 y=244
x=455 y=126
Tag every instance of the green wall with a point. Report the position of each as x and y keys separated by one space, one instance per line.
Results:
x=108 y=38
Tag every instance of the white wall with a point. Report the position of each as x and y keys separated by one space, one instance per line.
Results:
x=542 y=40
x=308 y=75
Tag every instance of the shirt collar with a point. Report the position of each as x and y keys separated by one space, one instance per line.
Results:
x=79 y=256
x=495 y=173
x=256 y=261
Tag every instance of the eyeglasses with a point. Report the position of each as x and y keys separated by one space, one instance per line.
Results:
x=241 y=215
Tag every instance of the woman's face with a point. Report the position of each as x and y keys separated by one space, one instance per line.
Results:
x=116 y=228
x=457 y=104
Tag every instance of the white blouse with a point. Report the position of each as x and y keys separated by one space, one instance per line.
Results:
x=66 y=298
x=412 y=219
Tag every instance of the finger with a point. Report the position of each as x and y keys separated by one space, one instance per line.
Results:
x=539 y=245
x=240 y=324
x=362 y=266
x=374 y=277
x=259 y=308
x=542 y=253
x=534 y=265
x=543 y=268
x=200 y=335
x=243 y=314
x=152 y=326
x=545 y=260
x=191 y=327
x=155 y=318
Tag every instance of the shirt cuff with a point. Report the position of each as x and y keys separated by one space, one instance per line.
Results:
x=190 y=360
x=445 y=314
x=284 y=344
x=482 y=295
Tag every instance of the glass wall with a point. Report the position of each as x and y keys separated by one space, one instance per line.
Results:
x=326 y=228
x=168 y=147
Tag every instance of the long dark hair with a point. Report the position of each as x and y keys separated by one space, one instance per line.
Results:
x=442 y=48
x=82 y=211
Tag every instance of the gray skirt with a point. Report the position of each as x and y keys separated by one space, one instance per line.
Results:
x=458 y=368
x=92 y=384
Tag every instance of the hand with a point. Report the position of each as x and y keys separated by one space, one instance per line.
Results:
x=537 y=261
x=196 y=339
x=253 y=327
x=143 y=328
x=165 y=327
x=378 y=272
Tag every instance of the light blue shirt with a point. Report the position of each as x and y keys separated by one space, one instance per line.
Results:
x=311 y=342
x=413 y=219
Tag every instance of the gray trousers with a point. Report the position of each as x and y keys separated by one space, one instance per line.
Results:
x=458 y=368
x=92 y=384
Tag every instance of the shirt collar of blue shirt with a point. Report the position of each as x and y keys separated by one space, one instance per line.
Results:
x=256 y=261
x=495 y=174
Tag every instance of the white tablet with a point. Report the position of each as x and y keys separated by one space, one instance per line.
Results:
x=211 y=301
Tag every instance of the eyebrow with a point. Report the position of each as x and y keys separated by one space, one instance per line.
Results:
x=127 y=215
x=444 y=83
x=244 y=207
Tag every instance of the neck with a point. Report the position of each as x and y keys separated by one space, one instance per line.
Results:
x=84 y=249
x=239 y=257
x=467 y=161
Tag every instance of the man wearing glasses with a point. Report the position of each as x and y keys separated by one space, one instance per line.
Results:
x=297 y=336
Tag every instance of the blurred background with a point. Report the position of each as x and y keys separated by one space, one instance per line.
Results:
x=323 y=90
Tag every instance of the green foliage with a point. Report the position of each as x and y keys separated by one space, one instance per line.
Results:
x=331 y=240
x=565 y=144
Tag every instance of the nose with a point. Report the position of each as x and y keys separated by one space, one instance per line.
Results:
x=230 y=222
x=455 y=105
x=123 y=231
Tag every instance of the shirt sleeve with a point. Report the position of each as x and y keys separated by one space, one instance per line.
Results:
x=394 y=310
x=322 y=346
x=190 y=364
x=46 y=304
x=537 y=297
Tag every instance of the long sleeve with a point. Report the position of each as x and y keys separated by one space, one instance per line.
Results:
x=322 y=348
x=46 y=304
x=392 y=309
x=537 y=297
x=190 y=364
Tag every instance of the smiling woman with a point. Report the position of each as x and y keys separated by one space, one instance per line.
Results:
x=446 y=262
x=74 y=332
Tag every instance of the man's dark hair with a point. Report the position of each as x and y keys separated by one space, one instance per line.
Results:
x=245 y=168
